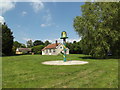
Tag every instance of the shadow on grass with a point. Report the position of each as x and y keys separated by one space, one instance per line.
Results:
x=87 y=57
x=16 y=55
x=93 y=58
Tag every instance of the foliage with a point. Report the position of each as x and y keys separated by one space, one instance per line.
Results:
x=29 y=43
x=23 y=45
x=16 y=45
x=27 y=71
x=99 y=28
x=0 y=39
x=7 y=40
x=74 y=47
x=37 y=49
x=38 y=42
x=14 y=50
x=38 y=46
x=46 y=43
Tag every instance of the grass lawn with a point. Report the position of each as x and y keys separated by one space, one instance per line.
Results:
x=26 y=71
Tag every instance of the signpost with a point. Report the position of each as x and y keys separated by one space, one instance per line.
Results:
x=64 y=37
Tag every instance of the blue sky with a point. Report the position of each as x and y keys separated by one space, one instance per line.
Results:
x=42 y=20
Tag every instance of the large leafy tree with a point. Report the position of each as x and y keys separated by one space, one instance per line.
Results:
x=38 y=42
x=74 y=47
x=37 y=49
x=17 y=44
x=46 y=43
x=7 y=40
x=29 y=43
x=99 y=28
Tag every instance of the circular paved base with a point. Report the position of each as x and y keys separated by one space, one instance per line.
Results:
x=61 y=62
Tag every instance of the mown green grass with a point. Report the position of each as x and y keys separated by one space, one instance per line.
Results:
x=26 y=71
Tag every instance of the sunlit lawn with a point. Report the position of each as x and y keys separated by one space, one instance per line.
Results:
x=26 y=71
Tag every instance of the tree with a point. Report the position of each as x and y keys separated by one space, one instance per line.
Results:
x=47 y=43
x=38 y=42
x=23 y=45
x=99 y=29
x=7 y=40
x=0 y=39
x=37 y=49
x=29 y=43
x=74 y=47
x=17 y=44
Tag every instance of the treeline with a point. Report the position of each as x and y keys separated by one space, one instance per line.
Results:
x=36 y=46
x=99 y=28
x=74 y=47
x=9 y=46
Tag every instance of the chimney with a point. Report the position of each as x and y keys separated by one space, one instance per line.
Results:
x=56 y=42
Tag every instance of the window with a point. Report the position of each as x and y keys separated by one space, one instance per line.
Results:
x=50 y=50
x=46 y=51
x=54 y=50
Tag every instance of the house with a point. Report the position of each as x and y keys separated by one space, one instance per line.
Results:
x=23 y=50
x=54 y=49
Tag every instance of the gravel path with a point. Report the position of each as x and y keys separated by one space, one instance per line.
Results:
x=61 y=62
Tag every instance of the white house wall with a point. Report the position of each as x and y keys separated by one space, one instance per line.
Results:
x=57 y=50
x=48 y=52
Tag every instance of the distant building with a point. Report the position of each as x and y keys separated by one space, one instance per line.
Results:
x=23 y=50
x=54 y=49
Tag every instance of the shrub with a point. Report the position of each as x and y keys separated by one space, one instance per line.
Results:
x=37 y=49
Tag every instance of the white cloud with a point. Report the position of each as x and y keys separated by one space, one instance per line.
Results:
x=26 y=39
x=24 y=13
x=43 y=25
x=18 y=26
x=2 y=20
x=61 y=41
x=6 y=6
x=37 y=6
x=57 y=26
x=47 y=19
x=53 y=40
x=74 y=39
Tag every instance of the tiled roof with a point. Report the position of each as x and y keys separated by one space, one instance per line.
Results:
x=24 y=49
x=51 y=46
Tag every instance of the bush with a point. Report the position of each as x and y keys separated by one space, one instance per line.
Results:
x=37 y=49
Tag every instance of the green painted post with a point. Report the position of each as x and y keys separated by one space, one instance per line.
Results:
x=64 y=36
x=64 y=43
